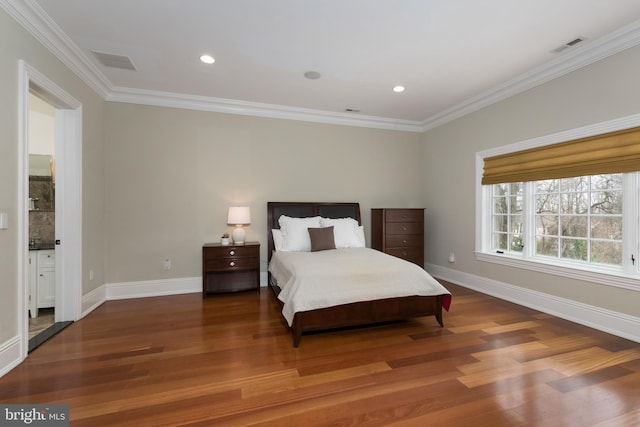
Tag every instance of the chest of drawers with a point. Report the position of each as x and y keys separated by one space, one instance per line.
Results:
x=399 y=232
x=230 y=268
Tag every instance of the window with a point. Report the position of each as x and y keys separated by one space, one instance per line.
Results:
x=578 y=219
x=508 y=217
x=584 y=226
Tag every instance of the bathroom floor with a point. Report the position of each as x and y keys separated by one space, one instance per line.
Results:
x=43 y=327
x=42 y=322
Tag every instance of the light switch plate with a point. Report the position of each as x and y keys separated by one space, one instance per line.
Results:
x=4 y=221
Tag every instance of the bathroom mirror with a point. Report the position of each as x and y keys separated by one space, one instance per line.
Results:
x=41 y=183
x=40 y=164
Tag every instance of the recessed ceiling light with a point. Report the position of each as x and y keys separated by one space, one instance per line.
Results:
x=312 y=75
x=207 y=59
x=398 y=89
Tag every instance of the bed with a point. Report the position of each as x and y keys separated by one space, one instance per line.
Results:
x=363 y=311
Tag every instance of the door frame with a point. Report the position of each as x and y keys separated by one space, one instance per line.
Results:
x=68 y=199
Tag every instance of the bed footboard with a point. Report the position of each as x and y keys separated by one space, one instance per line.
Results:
x=366 y=313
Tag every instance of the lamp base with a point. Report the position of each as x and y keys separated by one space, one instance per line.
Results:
x=238 y=235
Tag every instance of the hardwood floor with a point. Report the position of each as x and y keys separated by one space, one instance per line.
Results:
x=229 y=361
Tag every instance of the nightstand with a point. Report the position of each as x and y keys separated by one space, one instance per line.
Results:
x=230 y=268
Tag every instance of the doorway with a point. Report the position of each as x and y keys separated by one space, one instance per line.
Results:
x=64 y=267
x=42 y=217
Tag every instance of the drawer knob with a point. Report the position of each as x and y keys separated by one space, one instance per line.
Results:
x=232 y=263
x=404 y=241
x=404 y=253
x=232 y=252
x=404 y=228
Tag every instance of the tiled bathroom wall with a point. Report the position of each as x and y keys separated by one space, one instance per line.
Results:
x=42 y=209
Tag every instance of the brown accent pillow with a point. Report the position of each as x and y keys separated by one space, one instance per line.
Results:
x=321 y=238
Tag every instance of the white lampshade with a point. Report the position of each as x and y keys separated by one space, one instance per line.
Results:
x=239 y=215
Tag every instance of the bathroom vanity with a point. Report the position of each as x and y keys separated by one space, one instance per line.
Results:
x=42 y=278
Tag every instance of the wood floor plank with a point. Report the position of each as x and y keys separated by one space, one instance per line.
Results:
x=228 y=360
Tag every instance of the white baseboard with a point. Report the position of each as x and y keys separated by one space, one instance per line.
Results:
x=144 y=289
x=153 y=288
x=93 y=300
x=141 y=289
x=10 y=355
x=609 y=321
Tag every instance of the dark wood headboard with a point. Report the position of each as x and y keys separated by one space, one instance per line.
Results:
x=305 y=209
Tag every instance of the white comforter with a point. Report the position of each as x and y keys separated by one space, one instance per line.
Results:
x=311 y=280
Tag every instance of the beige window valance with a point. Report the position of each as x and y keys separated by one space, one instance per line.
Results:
x=614 y=152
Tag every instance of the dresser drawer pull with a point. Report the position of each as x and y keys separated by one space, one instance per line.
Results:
x=404 y=241
x=232 y=252
x=232 y=263
x=404 y=253
x=404 y=228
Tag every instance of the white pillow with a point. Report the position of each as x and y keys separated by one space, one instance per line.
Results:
x=346 y=232
x=295 y=233
x=278 y=242
x=360 y=233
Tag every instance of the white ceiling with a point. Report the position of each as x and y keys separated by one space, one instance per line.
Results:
x=447 y=53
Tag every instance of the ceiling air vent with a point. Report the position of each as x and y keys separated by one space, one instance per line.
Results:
x=567 y=45
x=114 y=61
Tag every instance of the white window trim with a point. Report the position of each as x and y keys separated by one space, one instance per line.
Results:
x=623 y=279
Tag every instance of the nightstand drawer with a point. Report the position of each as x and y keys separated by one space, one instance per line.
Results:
x=224 y=264
x=231 y=252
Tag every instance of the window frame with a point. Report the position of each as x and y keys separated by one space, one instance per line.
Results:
x=627 y=277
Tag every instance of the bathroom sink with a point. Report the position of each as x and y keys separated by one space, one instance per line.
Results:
x=41 y=246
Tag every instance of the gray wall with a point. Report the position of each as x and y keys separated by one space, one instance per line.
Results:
x=171 y=175
x=16 y=44
x=606 y=90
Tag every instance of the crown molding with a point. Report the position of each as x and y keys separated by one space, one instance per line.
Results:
x=232 y=106
x=29 y=14
x=571 y=60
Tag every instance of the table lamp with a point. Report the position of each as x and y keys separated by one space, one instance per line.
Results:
x=239 y=216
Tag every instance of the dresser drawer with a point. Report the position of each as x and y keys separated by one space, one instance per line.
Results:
x=404 y=241
x=404 y=215
x=405 y=228
x=410 y=254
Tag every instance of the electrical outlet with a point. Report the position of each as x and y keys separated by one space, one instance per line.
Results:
x=452 y=257
x=167 y=264
x=90 y=274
